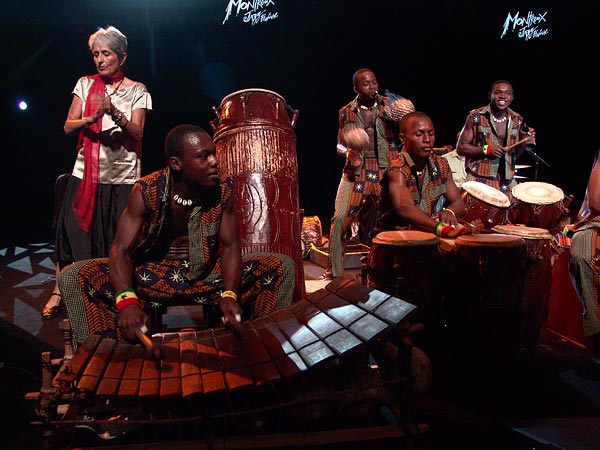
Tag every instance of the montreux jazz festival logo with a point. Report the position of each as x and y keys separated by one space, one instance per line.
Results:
x=252 y=11
x=527 y=27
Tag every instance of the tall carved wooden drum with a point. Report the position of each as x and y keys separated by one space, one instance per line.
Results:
x=538 y=281
x=405 y=264
x=484 y=307
x=256 y=146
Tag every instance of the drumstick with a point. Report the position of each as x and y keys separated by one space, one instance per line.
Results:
x=153 y=349
x=517 y=143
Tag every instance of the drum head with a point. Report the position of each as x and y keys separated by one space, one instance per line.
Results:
x=489 y=240
x=447 y=244
x=524 y=232
x=538 y=193
x=487 y=194
x=405 y=237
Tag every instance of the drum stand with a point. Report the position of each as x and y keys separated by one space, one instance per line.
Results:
x=529 y=149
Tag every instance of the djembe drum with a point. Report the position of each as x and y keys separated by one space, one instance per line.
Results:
x=484 y=204
x=538 y=281
x=256 y=146
x=539 y=205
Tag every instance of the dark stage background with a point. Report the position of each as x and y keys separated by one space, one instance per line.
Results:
x=443 y=55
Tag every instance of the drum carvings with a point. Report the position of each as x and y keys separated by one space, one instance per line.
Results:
x=256 y=146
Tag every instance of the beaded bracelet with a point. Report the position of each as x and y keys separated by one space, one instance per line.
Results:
x=118 y=118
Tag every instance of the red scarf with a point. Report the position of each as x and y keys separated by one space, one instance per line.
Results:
x=83 y=205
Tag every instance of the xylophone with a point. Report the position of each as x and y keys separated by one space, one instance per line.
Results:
x=305 y=362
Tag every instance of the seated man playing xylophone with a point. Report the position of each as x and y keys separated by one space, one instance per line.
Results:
x=176 y=243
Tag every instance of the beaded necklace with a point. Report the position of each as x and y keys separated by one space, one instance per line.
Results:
x=495 y=119
x=368 y=108
x=183 y=201
x=115 y=89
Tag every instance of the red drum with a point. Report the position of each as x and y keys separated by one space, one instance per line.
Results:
x=484 y=301
x=405 y=264
x=484 y=204
x=256 y=146
x=537 y=204
x=538 y=281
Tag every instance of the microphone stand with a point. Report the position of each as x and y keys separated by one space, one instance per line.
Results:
x=529 y=149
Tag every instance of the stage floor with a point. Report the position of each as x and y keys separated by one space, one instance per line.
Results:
x=548 y=400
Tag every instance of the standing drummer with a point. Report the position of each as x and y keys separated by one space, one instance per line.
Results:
x=493 y=138
x=368 y=139
x=417 y=183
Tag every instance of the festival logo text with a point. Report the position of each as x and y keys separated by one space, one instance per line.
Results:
x=530 y=27
x=252 y=11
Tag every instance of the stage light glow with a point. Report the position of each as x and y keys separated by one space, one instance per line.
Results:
x=22 y=105
x=217 y=79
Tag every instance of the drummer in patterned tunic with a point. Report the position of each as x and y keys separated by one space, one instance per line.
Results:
x=493 y=138
x=417 y=190
x=584 y=264
x=176 y=243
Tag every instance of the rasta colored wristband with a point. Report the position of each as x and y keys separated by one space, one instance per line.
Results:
x=126 y=297
x=437 y=227
x=485 y=150
x=445 y=231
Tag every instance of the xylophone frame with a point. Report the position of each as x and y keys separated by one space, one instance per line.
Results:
x=308 y=388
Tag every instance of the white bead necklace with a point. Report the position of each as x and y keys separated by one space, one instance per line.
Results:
x=368 y=108
x=495 y=119
x=183 y=201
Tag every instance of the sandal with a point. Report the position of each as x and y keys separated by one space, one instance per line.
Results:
x=50 y=312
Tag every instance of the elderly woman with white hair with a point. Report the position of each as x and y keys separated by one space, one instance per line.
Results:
x=107 y=113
